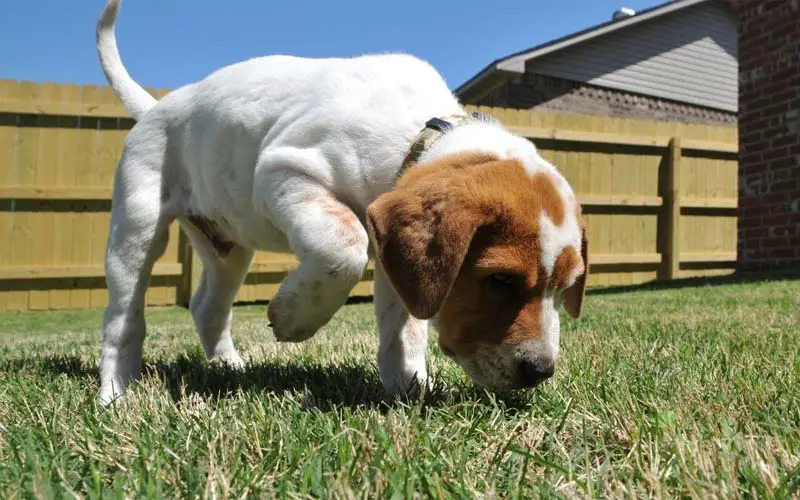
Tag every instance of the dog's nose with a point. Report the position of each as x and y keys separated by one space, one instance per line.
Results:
x=532 y=373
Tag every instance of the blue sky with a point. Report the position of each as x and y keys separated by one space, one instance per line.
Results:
x=167 y=43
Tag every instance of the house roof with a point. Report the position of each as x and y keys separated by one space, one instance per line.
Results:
x=515 y=63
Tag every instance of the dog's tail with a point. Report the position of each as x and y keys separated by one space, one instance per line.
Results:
x=133 y=96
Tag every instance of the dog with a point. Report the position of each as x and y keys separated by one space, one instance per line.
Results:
x=339 y=160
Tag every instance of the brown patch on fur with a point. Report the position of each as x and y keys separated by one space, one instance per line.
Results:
x=552 y=202
x=573 y=296
x=566 y=263
x=423 y=228
x=449 y=227
x=480 y=310
x=348 y=230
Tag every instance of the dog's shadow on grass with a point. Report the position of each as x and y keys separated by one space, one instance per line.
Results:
x=323 y=386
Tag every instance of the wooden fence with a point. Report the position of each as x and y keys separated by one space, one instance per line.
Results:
x=659 y=198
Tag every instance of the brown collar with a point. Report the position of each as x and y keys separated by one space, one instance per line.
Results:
x=430 y=133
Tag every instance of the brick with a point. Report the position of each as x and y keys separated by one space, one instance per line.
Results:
x=775 y=122
x=785 y=139
x=784 y=186
x=776 y=109
x=752 y=174
x=747 y=132
x=785 y=231
x=756 y=25
x=746 y=111
x=746 y=202
x=746 y=222
x=784 y=95
x=748 y=126
x=752 y=243
x=758 y=100
x=775 y=242
x=775 y=152
x=753 y=254
x=751 y=52
x=750 y=158
x=773 y=131
x=784 y=163
x=784 y=32
x=753 y=233
x=753 y=143
x=781 y=219
x=783 y=173
x=772 y=88
x=758 y=210
x=778 y=208
x=773 y=198
x=784 y=72
x=781 y=253
x=753 y=184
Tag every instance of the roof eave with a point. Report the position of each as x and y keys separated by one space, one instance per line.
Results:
x=519 y=60
x=515 y=63
x=488 y=71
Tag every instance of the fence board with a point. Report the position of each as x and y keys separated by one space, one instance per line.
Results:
x=59 y=145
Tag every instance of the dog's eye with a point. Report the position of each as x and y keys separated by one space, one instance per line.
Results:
x=503 y=278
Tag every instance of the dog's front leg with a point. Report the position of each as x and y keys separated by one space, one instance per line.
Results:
x=324 y=233
x=403 y=340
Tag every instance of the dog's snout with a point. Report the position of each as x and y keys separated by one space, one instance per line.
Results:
x=532 y=373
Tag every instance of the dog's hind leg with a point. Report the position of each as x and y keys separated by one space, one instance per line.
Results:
x=224 y=269
x=138 y=235
x=325 y=234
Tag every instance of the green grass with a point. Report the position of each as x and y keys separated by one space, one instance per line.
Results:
x=689 y=392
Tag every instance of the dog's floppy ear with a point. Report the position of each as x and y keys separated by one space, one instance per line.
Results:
x=573 y=296
x=421 y=237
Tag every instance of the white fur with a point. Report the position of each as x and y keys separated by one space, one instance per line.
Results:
x=282 y=153
x=135 y=99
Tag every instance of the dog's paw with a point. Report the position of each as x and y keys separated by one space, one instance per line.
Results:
x=290 y=319
x=230 y=359
x=405 y=382
x=289 y=331
x=111 y=392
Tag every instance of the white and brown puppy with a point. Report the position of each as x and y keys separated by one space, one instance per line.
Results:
x=280 y=153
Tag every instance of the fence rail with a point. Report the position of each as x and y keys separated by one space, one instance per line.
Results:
x=660 y=199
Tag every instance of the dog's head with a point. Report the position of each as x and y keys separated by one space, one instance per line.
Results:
x=489 y=248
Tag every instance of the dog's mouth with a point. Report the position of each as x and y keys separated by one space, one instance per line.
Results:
x=502 y=369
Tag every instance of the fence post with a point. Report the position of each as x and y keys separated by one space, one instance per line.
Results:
x=185 y=258
x=671 y=227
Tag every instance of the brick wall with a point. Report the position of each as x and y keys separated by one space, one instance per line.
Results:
x=769 y=133
x=539 y=91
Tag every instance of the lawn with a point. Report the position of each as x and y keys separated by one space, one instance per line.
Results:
x=664 y=392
